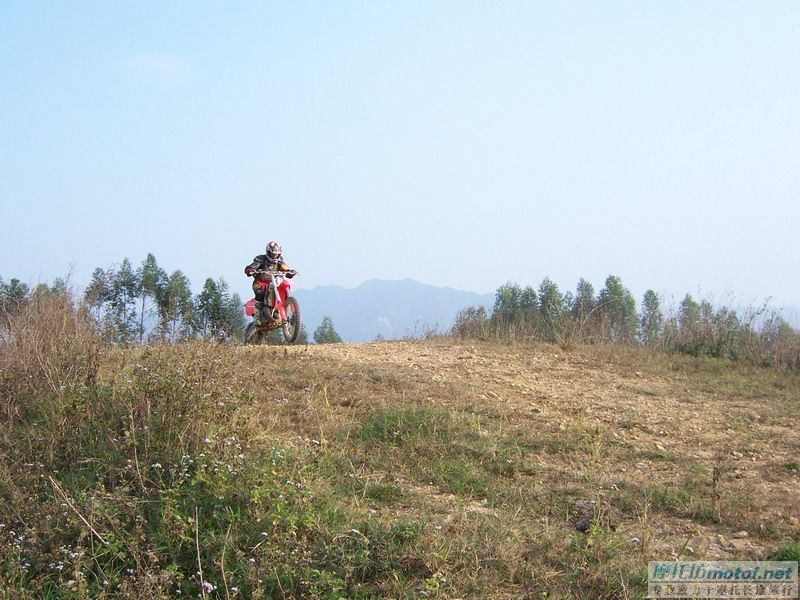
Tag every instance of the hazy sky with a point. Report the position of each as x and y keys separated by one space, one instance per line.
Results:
x=462 y=144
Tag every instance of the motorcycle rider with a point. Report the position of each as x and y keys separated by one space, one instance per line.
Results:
x=271 y=260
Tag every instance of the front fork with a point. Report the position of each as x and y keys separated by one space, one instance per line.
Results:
x=279 y=297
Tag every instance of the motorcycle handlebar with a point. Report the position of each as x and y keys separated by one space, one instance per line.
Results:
x=280 y=273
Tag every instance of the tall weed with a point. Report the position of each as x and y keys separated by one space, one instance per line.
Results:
x=47 y=348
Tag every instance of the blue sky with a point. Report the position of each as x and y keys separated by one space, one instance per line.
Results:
x=463 y=144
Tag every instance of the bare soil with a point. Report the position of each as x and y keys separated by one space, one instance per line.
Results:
x=681 y=456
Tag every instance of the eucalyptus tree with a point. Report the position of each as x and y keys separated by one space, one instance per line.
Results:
x=619 y=311
x=652 y=321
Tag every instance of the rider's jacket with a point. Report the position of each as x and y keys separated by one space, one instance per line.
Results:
x=262 y=262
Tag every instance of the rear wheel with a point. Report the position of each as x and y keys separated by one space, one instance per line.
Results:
x=291 y=326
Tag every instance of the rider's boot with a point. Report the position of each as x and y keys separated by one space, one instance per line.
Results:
x=259 y=311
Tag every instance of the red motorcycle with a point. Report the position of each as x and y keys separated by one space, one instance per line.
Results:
x=285 y=312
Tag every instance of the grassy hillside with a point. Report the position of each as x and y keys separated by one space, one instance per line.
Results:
x=399 y=470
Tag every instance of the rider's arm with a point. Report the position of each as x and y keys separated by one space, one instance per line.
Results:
x=285 y=268
x=248 y=270
x=258 y=263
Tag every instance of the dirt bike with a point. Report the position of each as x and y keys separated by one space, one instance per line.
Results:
x=284 y=313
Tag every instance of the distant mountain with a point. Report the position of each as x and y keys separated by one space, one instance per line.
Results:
x=392 y=309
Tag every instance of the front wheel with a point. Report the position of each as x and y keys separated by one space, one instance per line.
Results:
x=291 y=326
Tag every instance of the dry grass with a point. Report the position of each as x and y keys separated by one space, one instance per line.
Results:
x=401 y=470
x=670 y=447
x=47 y=347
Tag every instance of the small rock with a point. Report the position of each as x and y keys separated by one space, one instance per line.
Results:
x=698 y=542
x=716 y=550
x=740 y=545
x=584 y=523
x=740 y=534
x=585 y=510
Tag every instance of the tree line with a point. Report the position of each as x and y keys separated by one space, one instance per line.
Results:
x=611 y=317
x=144 y=303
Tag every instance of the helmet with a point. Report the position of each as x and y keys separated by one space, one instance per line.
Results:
x=274 y=250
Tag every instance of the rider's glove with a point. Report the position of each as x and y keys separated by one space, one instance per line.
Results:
x=290 y=274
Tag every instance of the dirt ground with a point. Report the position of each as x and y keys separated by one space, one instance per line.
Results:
x=690 y=459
